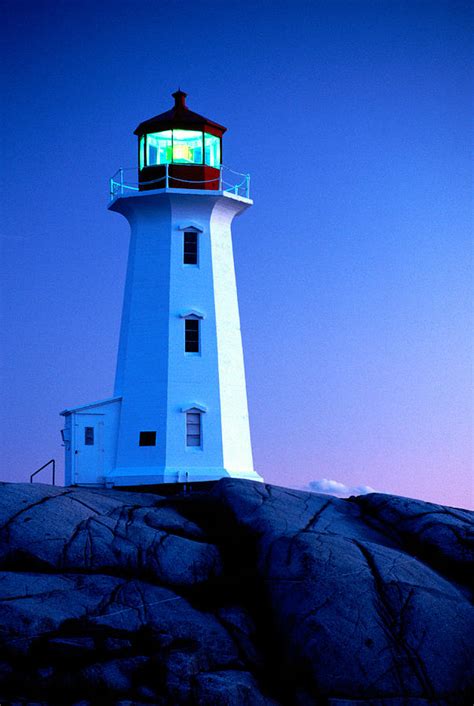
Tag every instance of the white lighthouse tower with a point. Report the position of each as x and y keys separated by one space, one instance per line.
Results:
x=179 y=411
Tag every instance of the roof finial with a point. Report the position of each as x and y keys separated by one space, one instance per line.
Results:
x=179 y=98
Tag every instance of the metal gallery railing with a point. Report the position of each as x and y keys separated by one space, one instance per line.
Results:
x=229 y=181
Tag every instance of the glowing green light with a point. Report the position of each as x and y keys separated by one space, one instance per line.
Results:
x=180 y=147
x=187 y=146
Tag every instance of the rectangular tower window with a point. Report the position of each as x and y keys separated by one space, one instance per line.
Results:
x=191 y=335
x=193 y=429
x=89 y=436
x=190 y=248
x=147 y=438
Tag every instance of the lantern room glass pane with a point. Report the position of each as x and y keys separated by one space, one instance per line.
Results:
x=212 y=149
x=187 y=147
x=142 y=151
x=159 y=148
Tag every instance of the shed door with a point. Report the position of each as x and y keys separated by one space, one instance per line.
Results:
x=88 y=448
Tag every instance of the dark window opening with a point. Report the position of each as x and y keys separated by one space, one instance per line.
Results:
x=147 y=438
x=193 y=429
x=190 y=253
x=191 y=335
x=89 y=436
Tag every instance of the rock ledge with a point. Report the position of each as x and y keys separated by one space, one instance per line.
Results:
x=246 y=595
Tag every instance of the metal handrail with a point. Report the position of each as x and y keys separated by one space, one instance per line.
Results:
x=118 y=185
x=42 y=467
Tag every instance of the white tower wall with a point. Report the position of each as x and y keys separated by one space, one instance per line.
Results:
x=156 y=380
x=237 y=450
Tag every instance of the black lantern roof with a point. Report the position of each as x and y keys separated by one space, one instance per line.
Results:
x=180 y=117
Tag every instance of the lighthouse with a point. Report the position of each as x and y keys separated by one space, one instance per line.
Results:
x=179 y=408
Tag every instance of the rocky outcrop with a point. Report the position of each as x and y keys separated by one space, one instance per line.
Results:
x=247 y=595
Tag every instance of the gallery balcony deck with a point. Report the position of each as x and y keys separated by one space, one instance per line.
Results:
x=229 y=182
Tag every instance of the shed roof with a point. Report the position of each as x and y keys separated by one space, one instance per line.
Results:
x=99 y=403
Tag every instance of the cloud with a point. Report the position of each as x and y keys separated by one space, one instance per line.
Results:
x=333 y=487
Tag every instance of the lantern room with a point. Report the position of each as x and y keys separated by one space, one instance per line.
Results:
x=179 y=149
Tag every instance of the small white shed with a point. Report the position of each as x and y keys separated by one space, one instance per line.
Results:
x=90 y=441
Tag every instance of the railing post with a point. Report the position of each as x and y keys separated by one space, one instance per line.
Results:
x=111 y=187
x=54 y=472
x=121 y=181
x=248 y=186
x=167 y=176
x=220 y=178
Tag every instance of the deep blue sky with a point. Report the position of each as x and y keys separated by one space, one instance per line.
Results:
x=353 y=266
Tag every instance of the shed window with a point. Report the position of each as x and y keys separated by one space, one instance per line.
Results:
x=89 y=436
x=190 y=245
x=191 y=335
x=147 y=438
x=193 y=429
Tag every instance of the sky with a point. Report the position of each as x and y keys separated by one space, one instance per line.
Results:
x=354 y=265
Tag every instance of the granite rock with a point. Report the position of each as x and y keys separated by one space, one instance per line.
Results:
x=245 y=595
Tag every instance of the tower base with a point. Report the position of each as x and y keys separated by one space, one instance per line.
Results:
x=152 y=476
